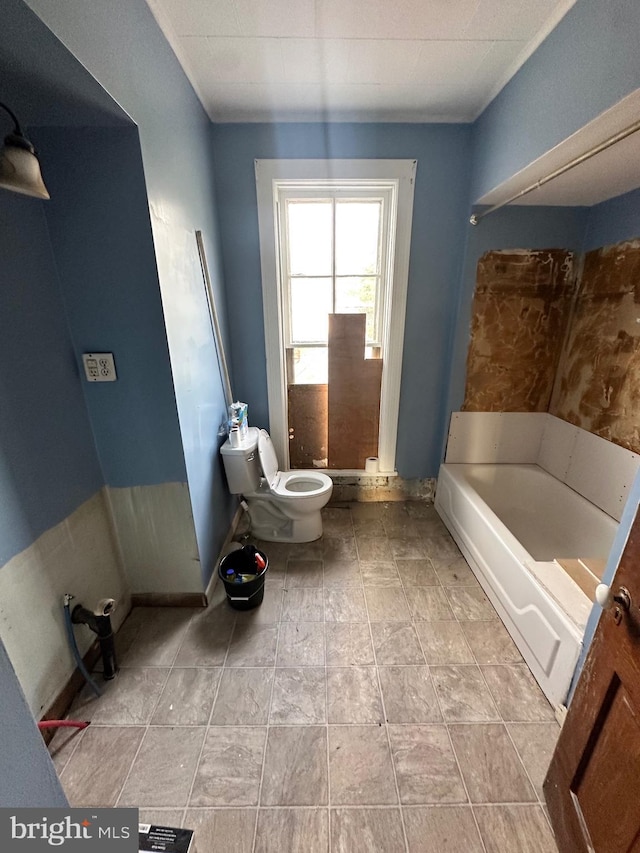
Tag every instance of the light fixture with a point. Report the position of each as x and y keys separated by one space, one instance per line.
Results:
x=19 y=166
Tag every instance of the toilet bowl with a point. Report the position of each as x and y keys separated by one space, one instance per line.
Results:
x=284 y=506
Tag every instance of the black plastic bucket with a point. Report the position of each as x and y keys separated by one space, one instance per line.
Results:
x=243 y=576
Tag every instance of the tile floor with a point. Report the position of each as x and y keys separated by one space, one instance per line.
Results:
x=374 y=702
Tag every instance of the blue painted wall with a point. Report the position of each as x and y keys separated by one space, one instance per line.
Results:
x=613 y=221
x=48 y=461
x=588 y=63
x=29 y=779
x=122 y=46
x=439 y=223
x=104 y=253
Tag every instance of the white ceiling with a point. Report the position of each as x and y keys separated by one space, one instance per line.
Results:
x=353 y=60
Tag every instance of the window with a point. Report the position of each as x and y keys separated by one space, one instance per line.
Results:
x=333 y=272
x=334 y=248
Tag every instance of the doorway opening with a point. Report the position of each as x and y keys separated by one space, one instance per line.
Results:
x=334 y=240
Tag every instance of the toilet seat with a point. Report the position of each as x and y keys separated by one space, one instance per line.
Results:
x=289 y=485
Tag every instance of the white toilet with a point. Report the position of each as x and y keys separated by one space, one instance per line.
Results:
x=284 y=506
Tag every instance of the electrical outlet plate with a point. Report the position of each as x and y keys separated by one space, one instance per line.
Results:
x=99 y=366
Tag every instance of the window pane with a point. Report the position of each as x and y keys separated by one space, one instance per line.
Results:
x=357 y=227
x=358 y=296
x=310 y=237
x=310 y=366
x=310 y=306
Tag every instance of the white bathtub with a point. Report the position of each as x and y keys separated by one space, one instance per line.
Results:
x=510 y=522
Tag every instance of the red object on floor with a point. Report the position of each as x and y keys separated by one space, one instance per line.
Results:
x=63 y=724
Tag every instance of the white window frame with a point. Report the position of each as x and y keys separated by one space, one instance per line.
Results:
x=398 y=176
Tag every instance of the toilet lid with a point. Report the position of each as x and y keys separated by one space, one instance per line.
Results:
x=268 y=458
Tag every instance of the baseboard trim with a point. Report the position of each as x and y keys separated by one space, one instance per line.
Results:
x=59 y=708
x=168 y=599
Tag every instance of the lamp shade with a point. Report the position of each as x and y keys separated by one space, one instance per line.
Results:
x=20 y=169
x=19 y=166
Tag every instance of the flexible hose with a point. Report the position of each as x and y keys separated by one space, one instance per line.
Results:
x=63 y=724
x=76 y=651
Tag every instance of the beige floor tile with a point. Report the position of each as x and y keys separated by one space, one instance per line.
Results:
x=463 y=694
x=342 y=573
x=295 y=767
x=517 y=694
x=470 y=603
x=490 y=642
x=403 y=527
x=301 y=644
x=490 y=765
x=353 y=695
x=422 y=509
x=428 y=604
x=305 y=550
x=380 y=573
x=161 y=633
x=283 y=830
x=431 y=526
x=449 y=829
x=207 y=638
x=304 y=573
x=221 y=830
x=243 y=697
x=426 y=768
x=187 y=698
x=163 y=769
x=366 y=831
x=373 y=549
x=336 y=520
x=110 y=748
x=252 y=645
x=360 y=767
x=299 y=696
x=63 y=745
x=407 y=548
x=417 y=573
x=162 y=817
x=229 y=771
x=302 y=605
x=129 y=699
x=535 y=743
x=408 y=694
x=344 y=605
x=440 y=547
x=348 y=644
x=339 y=548
x=444 y=643
x=396 y=643
x=518 y=829
x=454 y=573
x=387 y=604
x=364 y=527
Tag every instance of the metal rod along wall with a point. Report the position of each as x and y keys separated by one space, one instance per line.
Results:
x=475 y=218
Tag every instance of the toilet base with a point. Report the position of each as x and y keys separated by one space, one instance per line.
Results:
x=269 y=524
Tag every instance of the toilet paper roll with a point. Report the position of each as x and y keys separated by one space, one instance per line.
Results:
x=371 y=465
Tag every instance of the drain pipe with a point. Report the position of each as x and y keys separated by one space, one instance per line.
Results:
x=99 y=621
x=74 y=647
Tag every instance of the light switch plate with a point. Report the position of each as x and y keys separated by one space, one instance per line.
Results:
x=99 y=366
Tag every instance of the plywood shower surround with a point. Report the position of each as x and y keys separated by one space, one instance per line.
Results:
x=354 y=393
x=520 y=313
x=598 y=381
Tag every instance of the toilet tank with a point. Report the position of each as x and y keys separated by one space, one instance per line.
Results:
x=242 y=465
